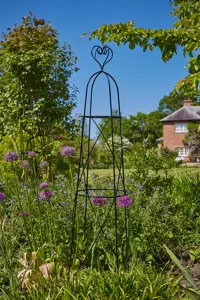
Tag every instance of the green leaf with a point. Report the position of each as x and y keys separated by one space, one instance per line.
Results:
x=179 y=265
x=131 y=45
x=193 y=295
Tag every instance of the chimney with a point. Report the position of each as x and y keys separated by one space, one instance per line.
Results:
x=188 y=102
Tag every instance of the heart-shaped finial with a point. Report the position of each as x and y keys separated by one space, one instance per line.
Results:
x=105 y=50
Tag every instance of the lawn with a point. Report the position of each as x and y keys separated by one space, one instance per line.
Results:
x=176 y=171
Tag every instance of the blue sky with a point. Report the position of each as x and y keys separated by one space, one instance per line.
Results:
x=143 y=78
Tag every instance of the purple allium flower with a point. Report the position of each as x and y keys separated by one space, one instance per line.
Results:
x=43 y=164
x=99 y=201
x=49 y=193
x=46 y=194
x=32 y=154
x=124 y=201
x=68 y=151
x=42 y=195
x=43 y=185
x=11 y=156
x=2 y=197
x=25 y=214
x=24 y=164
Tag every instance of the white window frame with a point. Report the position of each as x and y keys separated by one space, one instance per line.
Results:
x=181 y=128
x=183 y=152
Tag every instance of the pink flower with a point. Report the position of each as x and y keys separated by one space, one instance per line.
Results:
x=11 y=156
x=46 y=194
x=68 y=151
x=24 y=164
x=49 y=193
x=43 y=185
x=32 y=154
x=99 y=201
x=42 y=195
x=124 y=201
x=2 y=197
x=25 y=214
x=43 y=164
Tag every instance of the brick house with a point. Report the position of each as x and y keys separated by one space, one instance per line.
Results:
x=175 y=129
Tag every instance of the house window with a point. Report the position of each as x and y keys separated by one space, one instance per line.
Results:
x=181 y=128
x=183 y=151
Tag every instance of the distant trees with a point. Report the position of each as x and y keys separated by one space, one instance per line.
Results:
x=143 y=128
x=168 y=104
x=192 y=140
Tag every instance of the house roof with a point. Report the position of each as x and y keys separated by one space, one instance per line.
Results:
x=185 y=113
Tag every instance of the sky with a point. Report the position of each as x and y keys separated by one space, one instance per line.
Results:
x=143 y=78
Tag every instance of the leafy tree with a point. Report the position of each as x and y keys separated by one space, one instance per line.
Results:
x=186 y=33
x=145 y=128
x=192 y=140
x=35 y=95
x=141 y=128
x=106 y=127
x=168 y=104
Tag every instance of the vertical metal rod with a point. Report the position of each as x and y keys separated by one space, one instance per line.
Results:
x=89 y=152
x=114 y=176
x=79 y=172
x=121 y=140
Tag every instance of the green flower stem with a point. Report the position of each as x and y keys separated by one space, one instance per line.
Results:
x=72 y=178
x=30 y=214
x=53 y=228
x=94 y=238
x=21 y=208
x=4 y=250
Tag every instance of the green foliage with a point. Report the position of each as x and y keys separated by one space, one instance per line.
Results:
x=138 y=283
x=165 y=210
x=192 y=140
x=106 y=125
x=35 y=96
x=148 y=162
x=192 y=293
x=143 y=128
x=186 y=33
x=172 y=102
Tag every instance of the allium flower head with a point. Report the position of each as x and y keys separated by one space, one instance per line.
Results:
x=68 y=151
x=24 y=164
x=49 y=193
x=46 y=194
x=124 y=201
x=11 y=156
x=99 y=201
x=43 y=164
x=25 y=214
x=2 y=197
x=32 y=154
x=42 y=195
x=43 y=185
